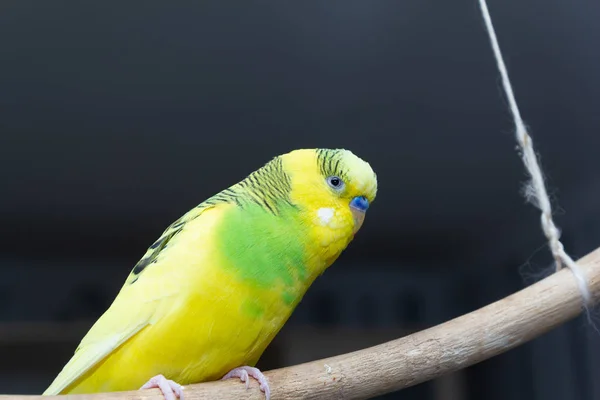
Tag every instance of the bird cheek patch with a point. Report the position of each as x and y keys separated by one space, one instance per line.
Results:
x=325 y=215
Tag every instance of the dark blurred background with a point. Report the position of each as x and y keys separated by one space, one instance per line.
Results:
x=116 y=118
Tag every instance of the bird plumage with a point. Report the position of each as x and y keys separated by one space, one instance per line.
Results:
x=212 y=292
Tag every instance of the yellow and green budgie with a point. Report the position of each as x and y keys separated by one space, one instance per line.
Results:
x=211 y=293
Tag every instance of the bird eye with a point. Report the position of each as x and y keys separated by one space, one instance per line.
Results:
x=335 y=182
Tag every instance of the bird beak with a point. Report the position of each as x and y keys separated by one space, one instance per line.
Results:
x=359 y=217
x=358 y=208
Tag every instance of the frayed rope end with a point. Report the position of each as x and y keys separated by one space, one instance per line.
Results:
x=535 y=191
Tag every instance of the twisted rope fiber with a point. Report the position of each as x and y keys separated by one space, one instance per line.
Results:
x=536 y=189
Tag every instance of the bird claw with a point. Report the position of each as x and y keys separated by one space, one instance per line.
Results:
x=169 y=389
x=244 y=372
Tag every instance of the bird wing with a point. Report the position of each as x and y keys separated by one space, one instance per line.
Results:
x=135 y=307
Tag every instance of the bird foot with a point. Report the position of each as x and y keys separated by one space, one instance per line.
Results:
x=169 y=389
x=244 y=372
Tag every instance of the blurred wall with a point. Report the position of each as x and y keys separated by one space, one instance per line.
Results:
x=117 y=118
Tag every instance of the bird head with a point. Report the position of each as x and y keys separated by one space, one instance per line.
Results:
x=334 y=185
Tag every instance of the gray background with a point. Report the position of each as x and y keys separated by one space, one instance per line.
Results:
x=117 y=118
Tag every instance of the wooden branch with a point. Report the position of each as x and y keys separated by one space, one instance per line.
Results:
x=413 y=359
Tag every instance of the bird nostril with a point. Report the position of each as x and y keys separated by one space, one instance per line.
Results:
x=360 y=203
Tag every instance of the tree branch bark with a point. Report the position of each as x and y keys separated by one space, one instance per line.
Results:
x=413 y=359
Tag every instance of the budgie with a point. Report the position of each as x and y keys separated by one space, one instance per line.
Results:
x=212 y=292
